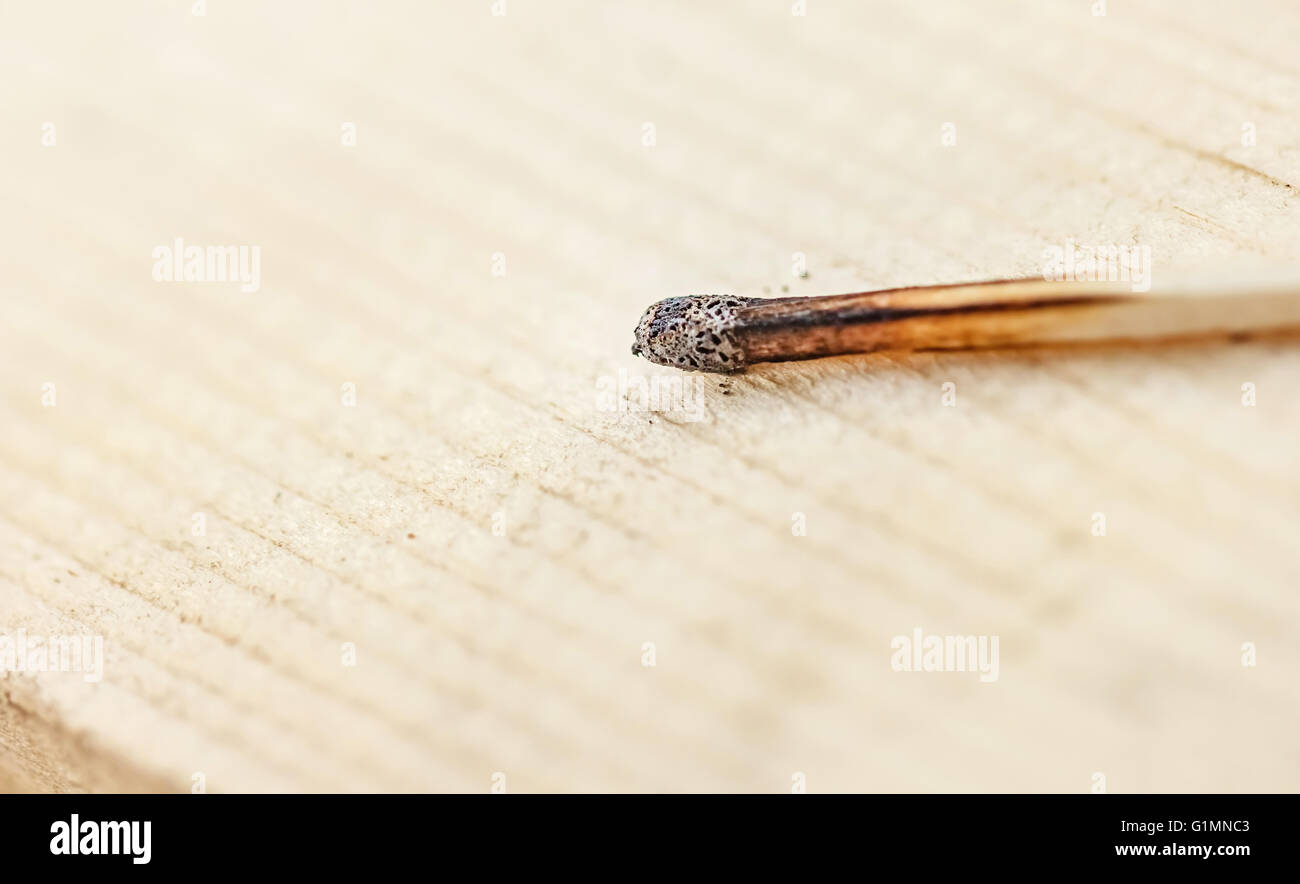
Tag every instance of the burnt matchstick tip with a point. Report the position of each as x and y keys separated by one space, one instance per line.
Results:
x=695 y=333
x=724 y=333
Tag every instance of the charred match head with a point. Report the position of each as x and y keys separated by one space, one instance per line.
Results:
x=695 y=333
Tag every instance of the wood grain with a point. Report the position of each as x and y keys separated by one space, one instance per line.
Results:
x=474 y=265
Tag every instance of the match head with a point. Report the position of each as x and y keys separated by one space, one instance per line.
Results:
x=695 y=333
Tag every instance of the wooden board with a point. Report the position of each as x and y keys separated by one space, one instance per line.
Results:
x=408 y=445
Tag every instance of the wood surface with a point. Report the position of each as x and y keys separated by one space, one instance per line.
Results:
x=474 y=264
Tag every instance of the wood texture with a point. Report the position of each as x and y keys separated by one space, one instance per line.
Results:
x=474 y=265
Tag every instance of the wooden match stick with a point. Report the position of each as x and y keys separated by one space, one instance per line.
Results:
x=721 y=333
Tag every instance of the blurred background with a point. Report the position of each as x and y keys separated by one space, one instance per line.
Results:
x=394 y=514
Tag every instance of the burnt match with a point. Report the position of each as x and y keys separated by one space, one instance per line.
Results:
x=723 y=333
